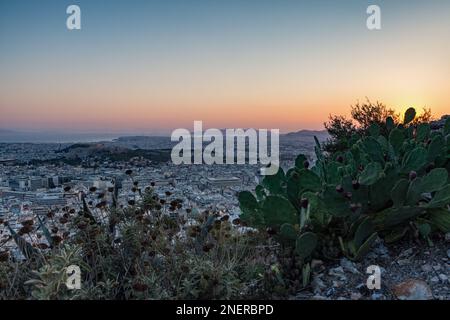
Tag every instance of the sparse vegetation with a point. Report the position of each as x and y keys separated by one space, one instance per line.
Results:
x=152 y=249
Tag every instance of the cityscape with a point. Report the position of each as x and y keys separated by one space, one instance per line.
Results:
x=34 y=177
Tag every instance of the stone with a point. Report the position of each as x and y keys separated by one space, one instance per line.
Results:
x=427 y=268
x=448 y=253
x=315 y=263
x=317 y=284
x=330 y=292
x=406 y=253
x=447 y=237
x=443 y=277
x=355 y=296
x=377 y=296
x=349 y=266
x=338 y=272
x=413 y=289
x=437 y=267
x=403 y=262
x=381 y=249
x=434 y=279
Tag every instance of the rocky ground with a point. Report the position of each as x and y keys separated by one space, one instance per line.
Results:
x=408 y=271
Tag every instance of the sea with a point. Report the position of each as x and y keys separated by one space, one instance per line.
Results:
x=51 y=137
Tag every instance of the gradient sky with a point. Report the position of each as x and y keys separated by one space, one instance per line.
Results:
x=152 y=66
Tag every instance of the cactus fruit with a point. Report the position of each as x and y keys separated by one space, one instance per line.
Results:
x=304 y=203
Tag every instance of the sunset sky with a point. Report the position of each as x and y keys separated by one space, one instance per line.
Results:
x=153 y=66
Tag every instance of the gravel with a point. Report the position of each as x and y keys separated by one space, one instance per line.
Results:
x=422 y=272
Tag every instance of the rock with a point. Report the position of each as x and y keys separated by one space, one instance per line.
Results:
x=413 y=289
x=349 y=266
x=447 y=237
x=338 y=272
x=403 y=262
x=380 y=248
x=317 y=284
x=427 y=268
x=377 y=296
x=318 y=297
x=406 y=253
x=434 y=279
x=330 y=292
x=437 y=267
x=372 y=256
x=443 y=277
x=448 y=253
x=355 y=296
x=315 y=263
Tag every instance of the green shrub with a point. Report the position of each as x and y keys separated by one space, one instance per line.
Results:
x=386 y=182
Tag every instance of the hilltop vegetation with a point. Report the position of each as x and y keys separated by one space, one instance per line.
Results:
x=86 y=153
x=385 y=179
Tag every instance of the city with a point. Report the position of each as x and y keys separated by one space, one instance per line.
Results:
x=33 y=184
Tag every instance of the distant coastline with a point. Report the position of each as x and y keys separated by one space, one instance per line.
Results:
x=11 y=136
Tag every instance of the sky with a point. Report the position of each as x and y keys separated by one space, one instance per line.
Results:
x=153 y=66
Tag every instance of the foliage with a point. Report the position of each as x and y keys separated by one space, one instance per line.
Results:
x=341 y=131
x=368 y=113
x=153 y=249
x=384 y=183
x=364 y=117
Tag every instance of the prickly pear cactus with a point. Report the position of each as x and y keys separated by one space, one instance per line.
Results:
x=391 y=179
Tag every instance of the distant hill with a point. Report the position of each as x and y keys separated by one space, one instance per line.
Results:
x=307 y=133
x=133 y=142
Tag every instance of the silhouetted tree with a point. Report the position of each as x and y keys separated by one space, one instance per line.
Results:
x=363 y=115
